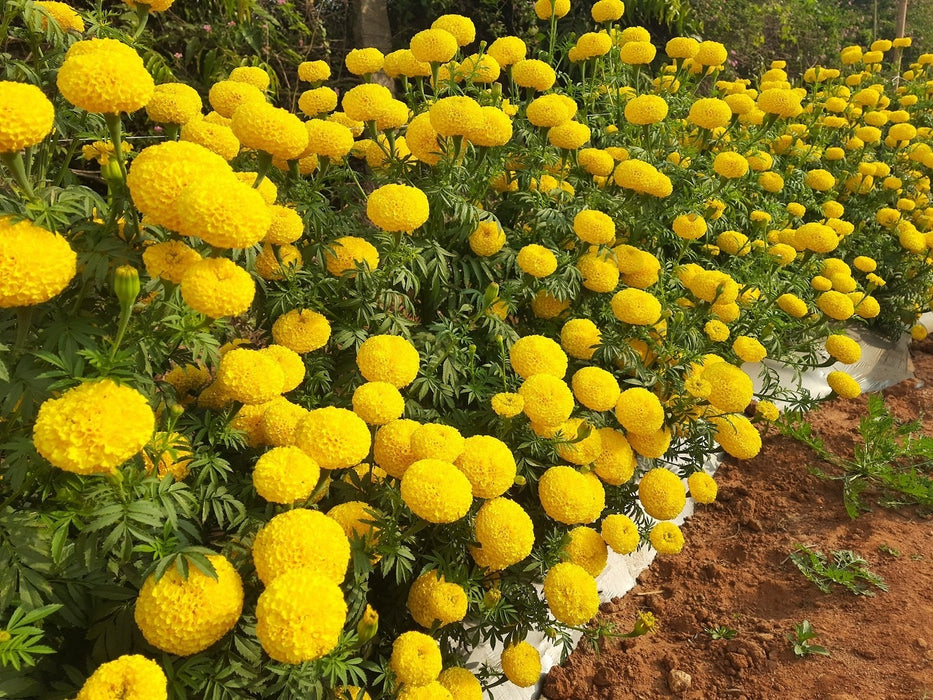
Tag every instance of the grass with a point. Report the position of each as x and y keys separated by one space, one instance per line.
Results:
x=843 y=568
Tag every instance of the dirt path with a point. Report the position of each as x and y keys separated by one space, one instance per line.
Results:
x=735 y=572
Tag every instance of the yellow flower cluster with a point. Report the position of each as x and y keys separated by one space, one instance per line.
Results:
x=35 y=264
x=131 y=677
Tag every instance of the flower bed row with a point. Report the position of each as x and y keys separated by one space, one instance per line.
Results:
x=311 y=406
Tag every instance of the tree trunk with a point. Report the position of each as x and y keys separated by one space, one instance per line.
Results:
x=372 y=29
x=901 y=25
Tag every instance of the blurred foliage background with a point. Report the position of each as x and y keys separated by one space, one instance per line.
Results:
x=205 y=37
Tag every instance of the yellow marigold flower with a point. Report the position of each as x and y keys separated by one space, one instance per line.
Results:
x=105 y=77
x=569 y=136
x=662 y=494
x=286 y=227
x=586 y=548
x=300 y=614
x=918 y=332
x=545 y=9
x=404 y=63
x=396 y=208
x=731 y=389
x=730 y=165
x=160 y=173
x=666 y=538
x=154 y=6
x=249 y=376
x=317 y=101
x=214 y=137
x=364 y=61
x=377 y=403
x=716 y=331
x=779 y=102
x=174 y=103
x=702 y=487
x=505 y=534
x=280 y=418
x=536 y=354
x=94 y=427
x=607 y=10
x=292 y=366
x=461 y=684
x=767 y=411
x=301 y=330
x=131 y=677
x=580 y=337
x=596 y=162
x=749 y=349
x=736 y=435
x=26 y=116
x=642 y=177
x=263 y=127
x=301 y=538
x=582 y=451
x=432 y=691
x=434 y=600
x=462 y=28
x=334 y=437
x=682 y=47
x=844 y=384
x=521 y=662
x=709 y=113
x=639 y=411
x=536 y=260
x=456 y=116
x=185 y=616
x=620 y=533
x=836 y=305
x=843 y=349
x=637 y=52
x=594 y=227
x=570 y=497
x=507 y=405
x=616 y=463
x=35 y=264
x=392 y=449
x=689 y=226
x=595 y=388
x=532 y=73
x=223 y=212
x=646 y=109
x=436 y=491
x=172 y=451
x=272 y=264
x=415 y=659
x=388 y=358
x=422 y=140
x=711 y=53
x=187 y=378
x=433 y=46
x=488 y=464
x=351 y=692
x=253 y=75
x=593 y=44
x=636 y=307
x=328 y=139
x=550 y=110
x=353 y=517
x=507 y=50
x=571 y=594
x=348 y=253
x=548 y=400
x=313 y=71
x=226 y=96
x=653 y=445
x=793 y=305
x=487 y=238
x=63 y=14
x=734 y=243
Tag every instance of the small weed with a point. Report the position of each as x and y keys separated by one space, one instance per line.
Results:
x=801 y=637
x=846 y=569
x=894 y=459
x=721 y=632
x=889 y=550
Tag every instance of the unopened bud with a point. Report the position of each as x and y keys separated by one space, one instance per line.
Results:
x=368 y=625
x=492 y=597
x=126 y=285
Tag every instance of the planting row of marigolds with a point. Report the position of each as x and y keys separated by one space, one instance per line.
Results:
x=312 y=403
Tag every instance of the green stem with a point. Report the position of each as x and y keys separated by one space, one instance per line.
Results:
x=553 y=39
x=72 y=149
x=171 y=131
x=23 y=324
x=14 y=161
x=265 y=162
x=142 y=17
x=121 y=330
